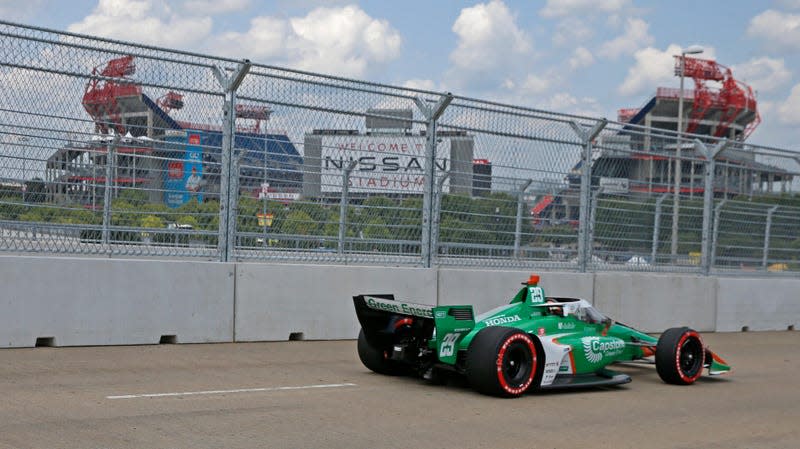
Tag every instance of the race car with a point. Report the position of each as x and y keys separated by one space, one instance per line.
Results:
x=535 y=342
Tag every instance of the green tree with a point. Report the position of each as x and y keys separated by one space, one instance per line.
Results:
x=298 y=222
x=152 y=221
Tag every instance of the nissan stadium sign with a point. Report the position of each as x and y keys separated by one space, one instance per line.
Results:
x=384 y=164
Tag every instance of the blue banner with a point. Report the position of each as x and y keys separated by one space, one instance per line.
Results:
x=183 y=179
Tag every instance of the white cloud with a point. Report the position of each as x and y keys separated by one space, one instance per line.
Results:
x=488 y=38
x=560 y=8
x=570 y=30
x=777 y=28
x=420 y=84
x=341 y=40
x=266 y=39
x=653 y=68
x=210 y=7
x=580 y=58
x=634 y=38
x=567 y=103
x=763 y=74
x=789 y=109
x=145 y=21
x=532 y=85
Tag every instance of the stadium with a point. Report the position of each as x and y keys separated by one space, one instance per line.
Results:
x=159 y=154
x=640 y=157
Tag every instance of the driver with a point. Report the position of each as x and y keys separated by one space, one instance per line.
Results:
x=555 y=310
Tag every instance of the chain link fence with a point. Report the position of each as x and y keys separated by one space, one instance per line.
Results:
x=114 y=149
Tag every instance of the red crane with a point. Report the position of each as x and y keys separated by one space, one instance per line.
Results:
x=171 y=100
x=105 y=87
x=733 y=98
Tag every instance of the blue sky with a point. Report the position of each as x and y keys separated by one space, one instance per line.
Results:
x=589 y=57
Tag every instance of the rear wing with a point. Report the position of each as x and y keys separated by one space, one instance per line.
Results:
x=387 y=303
x=380 y=316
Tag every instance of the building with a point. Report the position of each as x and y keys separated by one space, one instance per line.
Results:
x=640 y=157
x=387 y=158
x=158 y=154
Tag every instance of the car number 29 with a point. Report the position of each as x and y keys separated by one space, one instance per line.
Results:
x=448 y=346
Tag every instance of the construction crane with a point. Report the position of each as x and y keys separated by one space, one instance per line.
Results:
x=733 y=98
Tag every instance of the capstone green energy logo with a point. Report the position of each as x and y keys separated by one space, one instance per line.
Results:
x=595 y=348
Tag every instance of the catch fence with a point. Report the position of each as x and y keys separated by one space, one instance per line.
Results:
x=115 y=149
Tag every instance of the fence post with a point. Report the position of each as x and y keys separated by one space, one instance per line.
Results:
x=229 y=185
x=656 y=226
x=586 y=187
x=431 y=114
x=107 y=190
x=592 y=220
x=518 y=226
x=437 y=214
x=766 y=236
x=708 y=244
x=715 y=232
x=343 y=203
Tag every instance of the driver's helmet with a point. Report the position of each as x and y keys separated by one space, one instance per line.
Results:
x=555 y=310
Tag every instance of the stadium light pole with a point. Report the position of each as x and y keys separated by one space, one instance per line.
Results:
x=676 y=192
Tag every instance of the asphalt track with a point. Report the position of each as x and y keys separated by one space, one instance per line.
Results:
x=318 y=395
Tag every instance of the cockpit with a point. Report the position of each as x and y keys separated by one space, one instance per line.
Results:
x=581 y=309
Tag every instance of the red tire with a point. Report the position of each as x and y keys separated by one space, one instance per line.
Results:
x=680 y=356
x=502 y=361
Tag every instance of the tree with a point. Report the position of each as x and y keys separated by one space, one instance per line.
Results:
x=151 y=221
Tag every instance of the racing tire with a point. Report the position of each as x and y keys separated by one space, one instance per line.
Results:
x=680 y=356
x=375 y=358
x=502 y=361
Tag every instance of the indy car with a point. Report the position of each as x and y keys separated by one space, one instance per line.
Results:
x=535 y=342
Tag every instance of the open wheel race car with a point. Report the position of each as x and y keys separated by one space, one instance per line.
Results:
x=534 y=342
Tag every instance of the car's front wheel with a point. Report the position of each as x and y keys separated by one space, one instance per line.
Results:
x=502 y=361
x=680 y=356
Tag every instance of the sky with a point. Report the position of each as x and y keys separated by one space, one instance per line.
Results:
x=587 y=57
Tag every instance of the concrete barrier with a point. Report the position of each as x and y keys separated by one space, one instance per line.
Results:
x=654 y=302
x=486 y=289
x=315 y=301
x=81 y=301
x=758 y=304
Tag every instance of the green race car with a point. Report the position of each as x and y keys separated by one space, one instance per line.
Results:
x=534 y=342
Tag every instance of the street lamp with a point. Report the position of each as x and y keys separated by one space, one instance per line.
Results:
x=692 y=50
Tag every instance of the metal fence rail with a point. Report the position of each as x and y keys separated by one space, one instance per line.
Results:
x=110 y=148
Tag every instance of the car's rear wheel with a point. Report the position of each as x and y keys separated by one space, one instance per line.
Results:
x=680 y=356
x=502 y=361
x=375 y=358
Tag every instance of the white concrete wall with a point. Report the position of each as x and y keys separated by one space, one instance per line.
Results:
x=486 y=289
x=273 y=300
x=81 y=301
x=654 y=302
x=759 y=304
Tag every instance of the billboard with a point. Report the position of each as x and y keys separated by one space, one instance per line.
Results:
x=183 y=179
x=385 y=164
x=615 y=185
